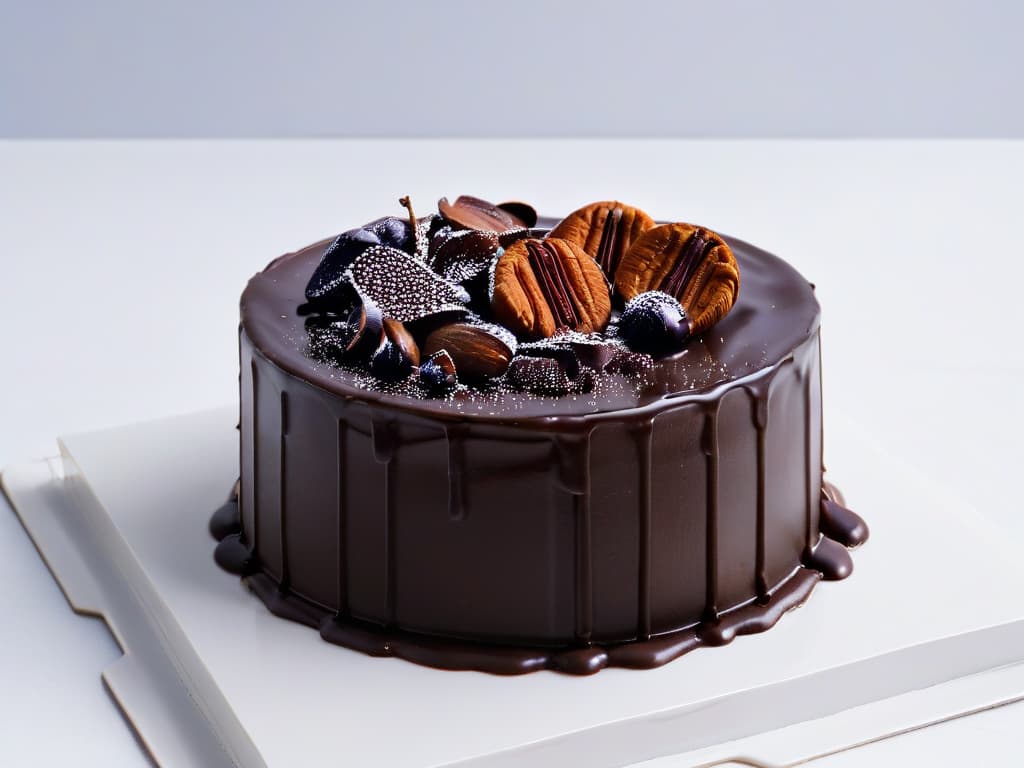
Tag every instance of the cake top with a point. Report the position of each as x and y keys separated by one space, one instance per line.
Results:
x=482 y=310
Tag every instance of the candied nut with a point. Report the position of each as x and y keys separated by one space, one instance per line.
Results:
x=473 y=213
x=545 y=286
x=479 y=350
x=604 y=230
x=691 y=263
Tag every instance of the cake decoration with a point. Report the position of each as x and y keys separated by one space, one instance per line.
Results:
x=479 y=350
x=546 y=286
x=605 y=230
x=477 y=281
x=328 y=281
x=437 y=374
x=473 y=213
x=654 y=322
x=416 y=481
x=691 y=263
x=398 y=355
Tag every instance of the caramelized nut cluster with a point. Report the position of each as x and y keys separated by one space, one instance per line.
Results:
x=473 y=295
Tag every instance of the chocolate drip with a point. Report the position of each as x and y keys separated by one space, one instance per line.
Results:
x=760 y=392
x=709 y=444
x=226 y=520
x=342 y=517
x=234 y=557
x=760 y=407
x=455 y=437
x=282 y=500
x=642 y=434
x=831 y=559
x=842 y=524
x=755 y=617
x=253 y=538
x=545 y=265
x=572 y=463
x=384 y=453
x=445 y=653
x=382 y=434
x=811 y=533
x=572 y=468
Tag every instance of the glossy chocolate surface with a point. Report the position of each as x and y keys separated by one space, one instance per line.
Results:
x=774 y=313
x=509 y=532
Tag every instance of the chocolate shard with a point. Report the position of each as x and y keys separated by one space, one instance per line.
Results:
x=402 y=286
x=329 y=281
x=525 y=213
x=473 y=213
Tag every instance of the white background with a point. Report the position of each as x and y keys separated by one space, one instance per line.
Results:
x=254 y=68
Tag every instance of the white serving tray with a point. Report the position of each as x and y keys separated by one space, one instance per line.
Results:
x=930 y=626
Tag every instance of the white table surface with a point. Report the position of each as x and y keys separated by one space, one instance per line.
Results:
x=122 y=263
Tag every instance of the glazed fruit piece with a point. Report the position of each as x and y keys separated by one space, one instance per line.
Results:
x=654 y=322
x=604 y=230
x=328 y=280
x=545 y=286
x=438 y=375
x=691 y=263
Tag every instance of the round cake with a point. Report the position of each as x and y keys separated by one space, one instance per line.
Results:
x=510 y=484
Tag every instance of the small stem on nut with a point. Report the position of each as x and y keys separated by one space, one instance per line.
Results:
x=406 y=203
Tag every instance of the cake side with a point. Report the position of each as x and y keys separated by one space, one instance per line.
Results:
x=660 y=528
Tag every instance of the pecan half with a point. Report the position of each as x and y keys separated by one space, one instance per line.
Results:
x=545 y=286
x=604 y=230
x=691 y=263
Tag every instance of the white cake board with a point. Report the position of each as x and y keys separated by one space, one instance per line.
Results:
x=929 y=627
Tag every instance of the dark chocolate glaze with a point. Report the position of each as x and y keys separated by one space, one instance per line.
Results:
x=227 y=519
x=507 y=532
x=829 y=561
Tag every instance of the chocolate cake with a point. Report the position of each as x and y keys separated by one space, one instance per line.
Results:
x=476 y=440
